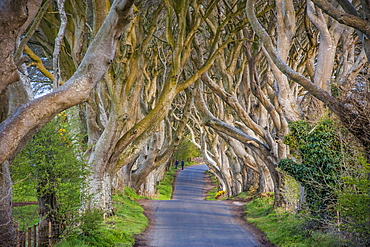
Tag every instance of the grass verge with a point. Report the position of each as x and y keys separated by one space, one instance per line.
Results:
x=210 y=195
x=286 y=229
x=165 y=186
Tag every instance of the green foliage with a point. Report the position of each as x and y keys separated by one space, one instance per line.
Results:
x=215 y=187
x=186 y=150
x=26 y=216
x=285 y=229
x=336 y=179
x=47 y=168
x=116 y=230
x=90 y=222
x=318 y=148
x=165 y=186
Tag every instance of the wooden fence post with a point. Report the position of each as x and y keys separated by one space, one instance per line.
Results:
x=50 y=234
x=38 y=233
x=34 y=235
x=29 y=237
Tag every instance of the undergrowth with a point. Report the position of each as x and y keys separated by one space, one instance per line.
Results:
x=210 y=195
x=116 y=230
x=285 y=229
x=26 y=216
x=165 y=186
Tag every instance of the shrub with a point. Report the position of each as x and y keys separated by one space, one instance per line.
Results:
x=48 y=170
x=219 y=193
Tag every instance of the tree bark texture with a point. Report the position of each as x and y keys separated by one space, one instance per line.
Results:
x=33 y=115
x=8 y=232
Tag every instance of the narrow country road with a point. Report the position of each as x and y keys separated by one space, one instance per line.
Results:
x=188 y=220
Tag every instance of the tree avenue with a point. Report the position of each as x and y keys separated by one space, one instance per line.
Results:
x=137 y=78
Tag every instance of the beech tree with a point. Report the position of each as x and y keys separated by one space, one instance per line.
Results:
x=262 y=98
x=30 y=117
x=140 y=92
x=183 y=21
x=119 y=127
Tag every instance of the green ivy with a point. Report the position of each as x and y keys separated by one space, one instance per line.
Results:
x=317 y=148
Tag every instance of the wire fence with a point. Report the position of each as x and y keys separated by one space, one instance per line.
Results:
x=45 y=233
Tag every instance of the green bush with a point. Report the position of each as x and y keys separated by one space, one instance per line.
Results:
x=47 y=169
x=116 y=230
x=328 y=164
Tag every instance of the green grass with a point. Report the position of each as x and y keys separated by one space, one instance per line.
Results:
x=165 y=186
x=242 y=196
x=286 y=229
x=210 y=195
x=117 y=230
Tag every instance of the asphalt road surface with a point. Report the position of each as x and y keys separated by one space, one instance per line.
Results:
x=188 y=220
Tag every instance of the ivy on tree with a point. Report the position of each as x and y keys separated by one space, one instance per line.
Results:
x=318 y=150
